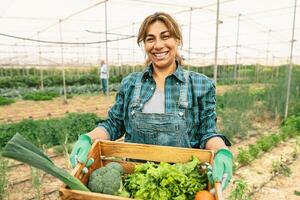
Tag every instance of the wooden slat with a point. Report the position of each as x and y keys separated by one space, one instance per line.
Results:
x=67 y=194
x=104 y=152
x=153 y=152
x=95 y=154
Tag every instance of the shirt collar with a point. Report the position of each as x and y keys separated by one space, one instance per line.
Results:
x=179 y=73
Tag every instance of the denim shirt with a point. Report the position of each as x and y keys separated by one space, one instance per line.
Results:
x=200 y=112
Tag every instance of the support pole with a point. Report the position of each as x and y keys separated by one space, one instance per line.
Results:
x=106 y=49
x=62 y=63
x=41 y=69
x=190 y=30
x=290 y=66
x=236 y=49
x=216 y=44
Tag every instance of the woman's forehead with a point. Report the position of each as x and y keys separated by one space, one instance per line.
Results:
x=157 y=28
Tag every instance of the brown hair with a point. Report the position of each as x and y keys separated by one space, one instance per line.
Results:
x=171 y=25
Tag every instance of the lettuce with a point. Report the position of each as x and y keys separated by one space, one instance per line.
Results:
x=166 y=181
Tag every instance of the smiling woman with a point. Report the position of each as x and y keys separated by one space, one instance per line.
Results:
x=164 y=104
x=161 y=37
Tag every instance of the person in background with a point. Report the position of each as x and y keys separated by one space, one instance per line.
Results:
x=164 y=104
x=104 y=76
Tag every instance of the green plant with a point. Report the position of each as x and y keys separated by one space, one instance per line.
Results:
x=40 y=96
x=166 y=181
x=254 y=150
x=59 y=149
x=240 y=191
x=265 y=143
x=3 y=177
x=106 y=179
x=20 y=149
x=36 y=181
x=280 y=167
x=47 y=132
x=6 y=101
x=297 y=193
x=63 y=138
x=243 y=157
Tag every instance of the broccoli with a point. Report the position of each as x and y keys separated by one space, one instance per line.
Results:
x=106 y=179
x=116 y=166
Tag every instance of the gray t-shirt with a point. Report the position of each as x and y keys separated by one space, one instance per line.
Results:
x=156 y=104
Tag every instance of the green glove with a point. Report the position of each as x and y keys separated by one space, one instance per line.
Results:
x=81 y=150
x=222 y=168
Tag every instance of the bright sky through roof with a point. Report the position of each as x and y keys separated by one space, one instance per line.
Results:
x=264 y=36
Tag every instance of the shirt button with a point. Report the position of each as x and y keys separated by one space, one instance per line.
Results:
x=141 y=104
x=152 y=88
x=177 y=83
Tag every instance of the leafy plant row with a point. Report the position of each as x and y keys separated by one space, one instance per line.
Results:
x=54 y=80
x=289 y=129
x=14 y=78
x=6 y=101
x=242 y=104
x=52 y=131
x=49 y=93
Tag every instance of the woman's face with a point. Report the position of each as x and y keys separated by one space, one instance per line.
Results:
x=160 y=47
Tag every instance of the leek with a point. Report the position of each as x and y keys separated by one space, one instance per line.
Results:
x=20 y=149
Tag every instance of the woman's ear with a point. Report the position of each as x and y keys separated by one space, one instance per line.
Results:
x=178 y=43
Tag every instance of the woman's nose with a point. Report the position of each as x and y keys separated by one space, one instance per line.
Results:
x=158 y=44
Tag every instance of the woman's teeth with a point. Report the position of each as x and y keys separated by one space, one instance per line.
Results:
x=160 y=55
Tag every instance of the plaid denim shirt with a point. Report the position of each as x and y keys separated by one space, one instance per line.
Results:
x=200 y=113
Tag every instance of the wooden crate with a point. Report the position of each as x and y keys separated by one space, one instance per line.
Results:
x=104 y=152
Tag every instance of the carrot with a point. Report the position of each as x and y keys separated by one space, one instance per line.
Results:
x=204 y=195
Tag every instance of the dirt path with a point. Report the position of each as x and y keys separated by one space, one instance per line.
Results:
x=20 y=110
x=282 y=187
x=260 y=178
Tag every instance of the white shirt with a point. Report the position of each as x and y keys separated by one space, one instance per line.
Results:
x=157 y=102
x=104 y=72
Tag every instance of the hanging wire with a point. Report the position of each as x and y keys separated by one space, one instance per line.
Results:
x=56 y=42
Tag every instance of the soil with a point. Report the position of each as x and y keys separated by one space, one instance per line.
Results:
x=20 y=110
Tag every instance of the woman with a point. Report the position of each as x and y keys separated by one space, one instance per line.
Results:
x=164 y=104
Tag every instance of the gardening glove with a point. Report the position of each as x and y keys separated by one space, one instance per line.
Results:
x=222 y=168
x=81 y=150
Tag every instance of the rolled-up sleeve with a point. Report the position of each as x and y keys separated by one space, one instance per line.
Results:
x=208 y=116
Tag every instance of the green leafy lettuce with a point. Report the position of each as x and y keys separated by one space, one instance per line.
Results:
x=166 y=181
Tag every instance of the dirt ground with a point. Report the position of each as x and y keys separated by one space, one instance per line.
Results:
x=263 y=185
x=20 y=110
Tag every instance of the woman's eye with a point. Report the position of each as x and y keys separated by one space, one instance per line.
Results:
x=165 y=37
x=149 y=39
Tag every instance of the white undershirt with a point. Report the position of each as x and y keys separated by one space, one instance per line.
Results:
x=156 y=104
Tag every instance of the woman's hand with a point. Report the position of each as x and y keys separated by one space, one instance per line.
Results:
x=222 y=168
x=80 y=150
